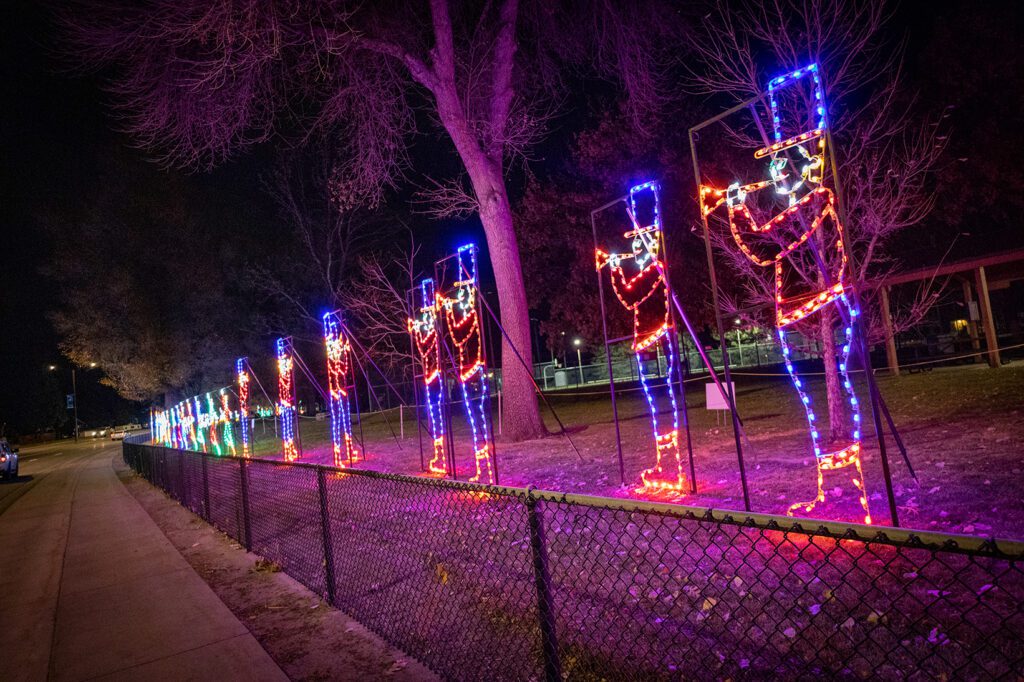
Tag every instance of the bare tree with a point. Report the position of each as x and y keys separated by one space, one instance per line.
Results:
x=197 y=81
x=379 y=303
x=162 y=318
x=886 y=154
x=330 y=229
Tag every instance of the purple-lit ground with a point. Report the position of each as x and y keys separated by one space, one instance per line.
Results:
x=963 y=427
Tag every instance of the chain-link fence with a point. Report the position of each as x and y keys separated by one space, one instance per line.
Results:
x=503 y=583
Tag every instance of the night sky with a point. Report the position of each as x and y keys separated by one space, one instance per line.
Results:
x=57 y=132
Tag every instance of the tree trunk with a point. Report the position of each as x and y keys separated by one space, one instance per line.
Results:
x=519 y=399
x=521 y=417
x=833 y=382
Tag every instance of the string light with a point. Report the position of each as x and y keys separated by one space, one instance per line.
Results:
x=645 y=294
x=818 y=207
x=174 y=419
x=200 y=426
x=463 y=320
x=423 y=329
x=212 y=421
x=228 y=432
x=339 y=364
x=245 y=427
x=286 y=396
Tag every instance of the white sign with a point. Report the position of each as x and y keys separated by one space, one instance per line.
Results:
x=714 y=398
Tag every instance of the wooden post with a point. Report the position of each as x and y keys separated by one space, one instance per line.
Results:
x=972 y=324
x=988 y=324
x=890 y=337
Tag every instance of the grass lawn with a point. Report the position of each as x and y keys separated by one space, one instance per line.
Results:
x=963 y=427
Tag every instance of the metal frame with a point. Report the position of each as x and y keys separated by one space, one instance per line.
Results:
x=417 y=376
x=677 y=314
x=875 y=396
x=441 y=285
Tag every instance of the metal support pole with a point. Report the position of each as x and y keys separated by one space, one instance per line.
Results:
x=727 y=389
x=896 y=436
x=486 y=398
x=865 y=349
x=542 y=581
x=74 y=398
x=183 y=491
x=607 y=350
x=206 y=486
x=359 y=418
x=243 y=474
x=515 y=351
x=325 y=525
x=683 y=367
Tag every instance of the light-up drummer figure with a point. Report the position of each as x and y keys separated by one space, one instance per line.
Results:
x=803 y=233
x=645 y=293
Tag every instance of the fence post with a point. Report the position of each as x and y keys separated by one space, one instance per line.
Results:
x=542 y=580
x=182 y=488
x=325 y=525
x=206 y=488
x=243 y=473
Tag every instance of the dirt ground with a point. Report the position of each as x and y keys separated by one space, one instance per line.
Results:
x=304 y=635
x=962 y=427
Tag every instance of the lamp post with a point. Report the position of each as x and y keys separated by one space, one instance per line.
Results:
x=739 y=342
x=579 y=358
x=74 y=393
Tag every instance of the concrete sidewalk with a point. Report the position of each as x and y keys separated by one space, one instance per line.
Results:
x=91 y=588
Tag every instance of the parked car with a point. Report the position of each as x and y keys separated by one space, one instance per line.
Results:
x=8 y=460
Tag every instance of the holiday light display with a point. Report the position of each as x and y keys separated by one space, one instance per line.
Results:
x=185 y=435
x=160 y=431
x=339 y=366
x=174 y=419
x=244 y=426
x=212 y=421
x=287 y=405
x=807 y=231
x=462 y=318
x=199 y=425
x=423 y=329
x=227 y=430
x=644 y=292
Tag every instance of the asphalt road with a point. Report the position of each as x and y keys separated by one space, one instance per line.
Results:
x=36 y=462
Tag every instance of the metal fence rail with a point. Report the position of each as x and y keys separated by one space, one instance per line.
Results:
x=503 y=583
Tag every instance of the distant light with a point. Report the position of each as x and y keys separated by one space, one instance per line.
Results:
x=92 y=364
x=577 y=342
x=53 y=367
x=737 y=321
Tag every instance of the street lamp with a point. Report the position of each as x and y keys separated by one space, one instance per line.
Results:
x=579 y=359
x=74 y=393
x=739 y=342
x=74 y=397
